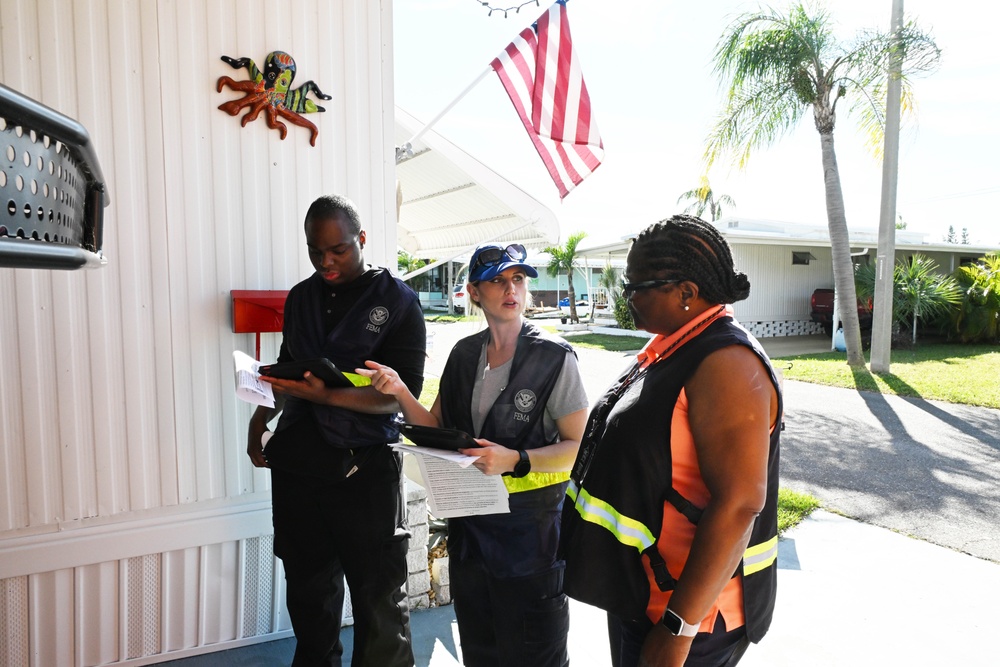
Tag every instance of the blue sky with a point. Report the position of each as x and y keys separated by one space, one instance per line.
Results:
x=647 y=64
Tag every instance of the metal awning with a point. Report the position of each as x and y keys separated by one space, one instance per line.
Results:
x=450 y=202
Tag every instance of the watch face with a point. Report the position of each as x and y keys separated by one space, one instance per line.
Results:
x=672 y=622
x=522 y=467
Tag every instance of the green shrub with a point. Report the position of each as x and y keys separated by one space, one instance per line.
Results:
x=977 y=318
x=622 y=316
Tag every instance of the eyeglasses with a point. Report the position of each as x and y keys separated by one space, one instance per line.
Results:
x=628 y=289
x=494 y=256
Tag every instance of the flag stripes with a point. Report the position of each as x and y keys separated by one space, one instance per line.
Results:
x=542 y=76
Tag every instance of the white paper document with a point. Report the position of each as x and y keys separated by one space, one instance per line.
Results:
x=454 y=487
x=249 y=386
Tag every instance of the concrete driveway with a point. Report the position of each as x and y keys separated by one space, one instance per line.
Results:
x=923 y=468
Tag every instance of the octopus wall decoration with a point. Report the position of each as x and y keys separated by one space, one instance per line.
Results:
x=271 y=91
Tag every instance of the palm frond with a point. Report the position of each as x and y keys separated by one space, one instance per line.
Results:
x=773 y=64
x=753 y=119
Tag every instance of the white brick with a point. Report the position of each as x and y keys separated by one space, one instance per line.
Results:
x=418 y=583
x=442 y=594
x=415 y=492
x=440 y=571
x=416 y=559
x=419 y=534
x=416 y=513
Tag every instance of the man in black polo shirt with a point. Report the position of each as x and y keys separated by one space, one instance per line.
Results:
x=338 y=507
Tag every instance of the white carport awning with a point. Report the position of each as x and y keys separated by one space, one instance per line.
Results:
x=451 y=202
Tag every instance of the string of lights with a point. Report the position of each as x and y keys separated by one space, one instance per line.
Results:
x=506 y=10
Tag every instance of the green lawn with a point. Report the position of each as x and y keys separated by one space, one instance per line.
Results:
x=608 y=342
x=442 y=316
x=964 y=374
x=793 y=507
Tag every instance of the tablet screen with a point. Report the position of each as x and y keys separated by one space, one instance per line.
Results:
x=438 y=438
x=294 y=370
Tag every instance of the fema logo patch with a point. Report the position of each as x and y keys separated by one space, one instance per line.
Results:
x=525 y=400
x=376 y=318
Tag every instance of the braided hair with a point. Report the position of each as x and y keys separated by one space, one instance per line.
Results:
x=684 y=247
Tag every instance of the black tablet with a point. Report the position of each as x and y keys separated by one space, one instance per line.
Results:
x=294 y=370
x=438 y=438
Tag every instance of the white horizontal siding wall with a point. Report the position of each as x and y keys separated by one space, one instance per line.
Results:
x=780 y=292
x=122 y=444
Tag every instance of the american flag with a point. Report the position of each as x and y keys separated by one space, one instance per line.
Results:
x=542 y=76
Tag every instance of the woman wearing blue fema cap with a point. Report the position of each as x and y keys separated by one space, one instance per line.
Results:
x=518 y=390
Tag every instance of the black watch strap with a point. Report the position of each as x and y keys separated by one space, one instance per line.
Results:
x=522 y=467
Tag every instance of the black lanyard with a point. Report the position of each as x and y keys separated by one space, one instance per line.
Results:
x=597 y=423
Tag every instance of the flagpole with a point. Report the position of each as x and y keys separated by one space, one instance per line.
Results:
x=406 y=149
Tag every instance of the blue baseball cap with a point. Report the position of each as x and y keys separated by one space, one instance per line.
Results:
x=491 y=259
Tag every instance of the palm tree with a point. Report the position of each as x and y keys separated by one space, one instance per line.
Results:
x=407 y=264
x=611 y=281
x=918 y=291
x=777 y=66
x=704 y=199
x=562 y=260
x=978 y=315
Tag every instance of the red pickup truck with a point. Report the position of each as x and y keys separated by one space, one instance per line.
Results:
x=822 y=310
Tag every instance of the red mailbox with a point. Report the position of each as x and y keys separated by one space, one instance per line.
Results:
x=258 y=311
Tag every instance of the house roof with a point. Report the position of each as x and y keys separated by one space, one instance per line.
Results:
x=773 y=232
x=450 y=202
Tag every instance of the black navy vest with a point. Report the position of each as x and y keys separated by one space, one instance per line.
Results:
x=357 y=337
x=525 y=541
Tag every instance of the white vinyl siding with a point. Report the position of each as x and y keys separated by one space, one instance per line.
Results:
x=122 y=444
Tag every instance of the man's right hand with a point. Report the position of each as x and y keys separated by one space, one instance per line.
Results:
x=384 y=379
x=255 y=449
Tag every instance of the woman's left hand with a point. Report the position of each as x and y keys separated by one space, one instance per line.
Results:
x=662 y=649
x=493 y=459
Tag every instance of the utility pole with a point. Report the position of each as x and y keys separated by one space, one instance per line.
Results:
x=886 y=259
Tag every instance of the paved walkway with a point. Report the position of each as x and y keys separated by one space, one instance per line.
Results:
x=850 y=593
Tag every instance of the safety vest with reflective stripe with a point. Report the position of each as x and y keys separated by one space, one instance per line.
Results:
x=622 y=480
x=626 y=530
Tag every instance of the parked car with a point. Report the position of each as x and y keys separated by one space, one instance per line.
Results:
x=581 y=302
x=822 y=310
x=460 y=298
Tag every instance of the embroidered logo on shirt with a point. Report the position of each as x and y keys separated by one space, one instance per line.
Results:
x=524 y=401
x=377 y=317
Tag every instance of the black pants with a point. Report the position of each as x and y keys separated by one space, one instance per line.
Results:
x=718 y=649
x=324 y=530
x=518 y=622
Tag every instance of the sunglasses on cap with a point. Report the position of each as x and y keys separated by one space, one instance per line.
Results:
x=492 y=256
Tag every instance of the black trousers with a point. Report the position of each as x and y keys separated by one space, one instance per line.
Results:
x=721 y=648
x=516 y=622
x=325 y=530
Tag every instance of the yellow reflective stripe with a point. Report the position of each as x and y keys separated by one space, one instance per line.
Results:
x=760 y=556
x=626 y=530
x=533 y=480
x=358 y=380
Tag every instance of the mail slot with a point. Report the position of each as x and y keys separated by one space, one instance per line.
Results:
x=258 y=311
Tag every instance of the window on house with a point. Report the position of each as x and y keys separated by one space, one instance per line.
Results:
x=802 y=258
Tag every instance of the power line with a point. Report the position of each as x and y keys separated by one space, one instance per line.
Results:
x=514 y=8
